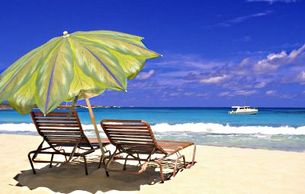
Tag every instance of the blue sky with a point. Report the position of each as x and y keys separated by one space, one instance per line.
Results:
x=215 y=53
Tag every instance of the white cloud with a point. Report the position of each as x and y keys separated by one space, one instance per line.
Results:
x=271 y=93
x=181 y=61
x=287 y=96
x=260 y=84
x=214 y=79
x=202 y=95
x=274 y=56
x=237 y=93
x=273 y=61
x=273 y=1
x=245 y=92
x=297 y=52
x=274 y=93
x=301 y=77
x=145 y=75
x=174 y=94
x=241 y=19
x=226 y=93
x=188 y=93
x=178 y=70
x=249 y=76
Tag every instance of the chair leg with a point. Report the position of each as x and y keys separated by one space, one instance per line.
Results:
x=158 y=162
x=99 y=165
x=31 y=162
x=125 y=162
x=176 y=164
x=161 y=170
x=85 y=164
x=37 y=150
x=139 y=159
x=51 y=161
x=103 y=157
x=34 y=156
x=193 y=158
x=194 y=154
x=108 y=163
x=104 y=163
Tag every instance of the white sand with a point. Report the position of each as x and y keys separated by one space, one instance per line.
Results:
x=219 y=170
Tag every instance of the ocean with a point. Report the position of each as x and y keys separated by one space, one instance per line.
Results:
x=271 y=128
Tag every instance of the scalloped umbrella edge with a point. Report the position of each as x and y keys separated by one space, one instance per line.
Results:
x=78 y=65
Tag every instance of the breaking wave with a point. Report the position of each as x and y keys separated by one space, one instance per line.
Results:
x=215 y=128
x=208 y=128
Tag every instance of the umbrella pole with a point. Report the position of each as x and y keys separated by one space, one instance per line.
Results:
x=94 y=125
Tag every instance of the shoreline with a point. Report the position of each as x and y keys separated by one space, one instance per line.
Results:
x=300 y=149
x=218 y=170
x=205 y=145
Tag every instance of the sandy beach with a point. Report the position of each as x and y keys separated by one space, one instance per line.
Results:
x=218 y=170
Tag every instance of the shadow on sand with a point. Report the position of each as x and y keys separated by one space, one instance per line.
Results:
x=69 y=177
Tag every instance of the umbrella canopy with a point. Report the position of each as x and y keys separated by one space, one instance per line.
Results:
x=81 y=64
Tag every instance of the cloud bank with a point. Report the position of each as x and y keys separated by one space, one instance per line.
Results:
x=190 y=75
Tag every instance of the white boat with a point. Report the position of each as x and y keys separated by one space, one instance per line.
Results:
x=243 y=110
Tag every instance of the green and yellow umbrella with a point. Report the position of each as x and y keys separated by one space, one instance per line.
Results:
x=78 y=65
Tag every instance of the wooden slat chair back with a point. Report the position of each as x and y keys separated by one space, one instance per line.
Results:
x=135 y=138
x=63 y=134
x=60 y=128
x=132 y=136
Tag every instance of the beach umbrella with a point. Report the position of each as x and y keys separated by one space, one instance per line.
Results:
x=73 y=66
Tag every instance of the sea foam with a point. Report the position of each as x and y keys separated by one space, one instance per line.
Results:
x=208 y=128
x=215 y=128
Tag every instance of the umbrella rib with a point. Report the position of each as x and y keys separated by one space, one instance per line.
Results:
x=74 y=66
x=127 y=42
x=106 y=68
x=38 y=51
x=14 y=76
x=50 y=83
x=49 y=88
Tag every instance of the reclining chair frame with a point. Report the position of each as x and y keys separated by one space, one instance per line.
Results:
x=61 y=130
x=135 y=138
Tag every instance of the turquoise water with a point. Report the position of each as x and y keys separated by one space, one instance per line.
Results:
x=271 y=128
x=294 y=117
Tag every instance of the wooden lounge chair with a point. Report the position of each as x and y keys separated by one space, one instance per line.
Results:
x=134 y=139
x=62 y=134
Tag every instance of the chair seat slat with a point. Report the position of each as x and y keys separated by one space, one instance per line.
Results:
x=54 y=114
x=132 y=136
x=58 y=129
x=56 y=121
x=57 y=118
x=127 y=130
x=129 y=133
x=105 y=121
x=129 y=143
x=69 y=137
x=118 y=140
x=62 y=133
x=125 y=127
x=59 y=125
